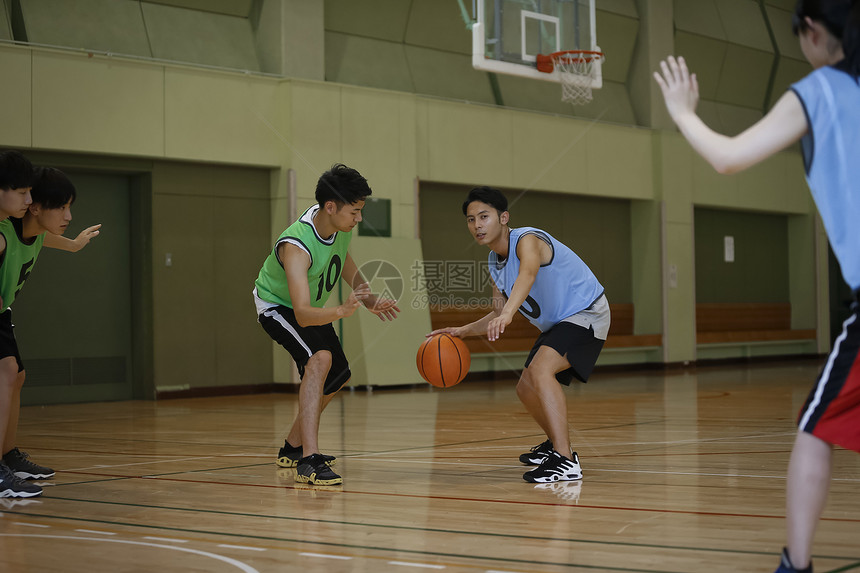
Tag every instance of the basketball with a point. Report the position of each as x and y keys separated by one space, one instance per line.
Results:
x=443 y=360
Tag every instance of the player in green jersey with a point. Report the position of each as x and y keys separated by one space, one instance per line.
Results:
x=44 y=221
x=290 y=293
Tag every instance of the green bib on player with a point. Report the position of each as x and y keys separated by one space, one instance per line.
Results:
x=327 y=259
x=18 y=260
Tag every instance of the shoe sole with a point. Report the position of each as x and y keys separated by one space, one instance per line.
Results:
x=13 y=493
x=312 y=479
x=27 y=475
x=550 y=479
x=286 y=462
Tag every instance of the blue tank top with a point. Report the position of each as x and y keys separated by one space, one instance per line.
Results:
x=563 y=286
x=831 y=153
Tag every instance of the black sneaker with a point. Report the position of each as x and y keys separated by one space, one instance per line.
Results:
x=289 y=456
x=537 y=454
x=314 y=470
x=785 y=565
x=13 y=486
x=555 y=467
x=22 y=467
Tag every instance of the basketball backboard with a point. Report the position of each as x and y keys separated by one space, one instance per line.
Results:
x=509 y=34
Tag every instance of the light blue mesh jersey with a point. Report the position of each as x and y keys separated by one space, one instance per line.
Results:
x=831 y=153
x=563 y=287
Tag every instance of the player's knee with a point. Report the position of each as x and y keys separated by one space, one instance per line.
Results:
x=537 y=374
x=320 y=361
x=524 y=386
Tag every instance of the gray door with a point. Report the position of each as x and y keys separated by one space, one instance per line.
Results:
x=73 y=317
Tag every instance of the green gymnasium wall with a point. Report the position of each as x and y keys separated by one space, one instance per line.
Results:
x=222 y=147
x=759 y=271
x=213 y=224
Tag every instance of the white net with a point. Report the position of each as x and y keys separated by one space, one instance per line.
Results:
x=576 y=72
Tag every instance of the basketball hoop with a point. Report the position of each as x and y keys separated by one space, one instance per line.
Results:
x=575 y=71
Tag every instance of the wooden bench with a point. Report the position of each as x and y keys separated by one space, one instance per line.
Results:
x=520 y=334
x=746 y=322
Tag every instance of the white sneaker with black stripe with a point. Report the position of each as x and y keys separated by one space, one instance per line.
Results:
x=555 y=468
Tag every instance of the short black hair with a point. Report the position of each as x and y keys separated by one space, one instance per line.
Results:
x=16 y=171
x=488 y=195
x=52 y=189
x=341 y=184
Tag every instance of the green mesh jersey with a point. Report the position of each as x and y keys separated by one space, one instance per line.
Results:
x=327 y=258
x=17 y=260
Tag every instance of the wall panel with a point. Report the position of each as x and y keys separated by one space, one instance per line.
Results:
x=16 y=115
x=183 y=35
x=224 y=117
x=97 y=104
x=114 y=26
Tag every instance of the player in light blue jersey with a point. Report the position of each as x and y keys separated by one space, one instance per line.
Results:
x=823 y=112
x=542 y=278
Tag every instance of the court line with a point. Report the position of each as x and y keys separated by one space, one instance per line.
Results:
x=504 y=501
x=421 y=565
x=167 y=539
x=242 y=547
x=111 y=466
x=430 y=447
x=95 y=532
x=468 y=557
x=413 y=528
x=94 y=436
x=228 y=560
x=325 y=556
x=401 y=550
x=366 y=457
x=846 y=568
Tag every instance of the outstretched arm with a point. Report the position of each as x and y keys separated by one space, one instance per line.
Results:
x=72 y=245
x=782 y=126
x=476 y=328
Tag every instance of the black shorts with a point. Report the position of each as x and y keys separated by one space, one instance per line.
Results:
x=575 y=343
x=302 y=342
x=8 y=344
x=832 y=410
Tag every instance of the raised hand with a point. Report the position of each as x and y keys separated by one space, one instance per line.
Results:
x=679 y=86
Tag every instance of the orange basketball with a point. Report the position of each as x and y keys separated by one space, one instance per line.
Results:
x=443 y=360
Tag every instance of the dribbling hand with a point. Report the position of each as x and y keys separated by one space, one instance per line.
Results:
x=452 y=330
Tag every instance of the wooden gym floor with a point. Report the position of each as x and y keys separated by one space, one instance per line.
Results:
x=684 y=472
